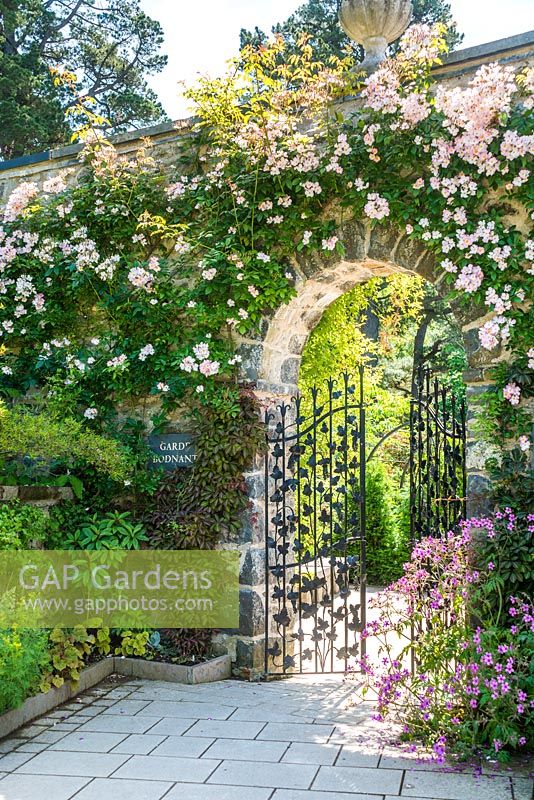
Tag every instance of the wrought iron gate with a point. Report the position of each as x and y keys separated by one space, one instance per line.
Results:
x=315 y=530
x=315 y=476
x=437 y=458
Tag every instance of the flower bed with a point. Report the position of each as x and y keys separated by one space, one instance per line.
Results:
x=215 y=669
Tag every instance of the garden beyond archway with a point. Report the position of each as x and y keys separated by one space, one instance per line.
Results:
x=314 y=529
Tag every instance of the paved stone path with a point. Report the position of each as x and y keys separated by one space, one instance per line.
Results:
x=292 y=740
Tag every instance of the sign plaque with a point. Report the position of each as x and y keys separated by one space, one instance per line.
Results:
x=172 y=450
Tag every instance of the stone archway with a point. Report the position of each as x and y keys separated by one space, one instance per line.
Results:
x=272 y=361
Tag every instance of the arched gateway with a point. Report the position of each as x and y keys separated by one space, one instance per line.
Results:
x=306 y=527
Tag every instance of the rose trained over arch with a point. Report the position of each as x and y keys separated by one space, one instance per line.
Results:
x=126 y=284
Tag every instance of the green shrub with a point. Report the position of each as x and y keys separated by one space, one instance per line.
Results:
x=386 y=552
x=65 y=519
x=20 y=525
x=23 y=659
x=114 y=531
x=45 y=439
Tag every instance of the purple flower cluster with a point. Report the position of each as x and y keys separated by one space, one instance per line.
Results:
x=470 y=688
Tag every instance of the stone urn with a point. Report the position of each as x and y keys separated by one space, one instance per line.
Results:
x=374 y=24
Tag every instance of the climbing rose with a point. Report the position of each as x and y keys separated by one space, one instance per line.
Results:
x=208 y=367
x=330 y=244
x=469 y=279
x=512 y=393
x=19 y=199
x=376 y=207
x=524 y=443
x=147 y=350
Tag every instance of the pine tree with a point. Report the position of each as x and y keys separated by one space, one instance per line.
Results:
x=110 y=46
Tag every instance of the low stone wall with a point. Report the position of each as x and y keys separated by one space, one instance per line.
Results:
x=43 y=497
x=216 y=669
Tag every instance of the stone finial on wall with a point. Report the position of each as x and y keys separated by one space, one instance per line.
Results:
x=374 y=24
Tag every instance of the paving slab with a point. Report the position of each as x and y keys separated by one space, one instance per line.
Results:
x=296 y=732
x=246 y=750
x=205 y=791
x=225 y=729
x=359 y=779
x=306 y=753
x=35 y=787
x=138 y=744
x=50 y=736
x=29 y=731
x=90 y=765
x=8 y=745
x=357 y=755
x=184 y=746
x=451 y=786
x=409 y=763
x=69 y=724
x=119 y=789
x=129 y=707
x=87 y=742
x=171 y=727
x=88 y=711
x=196 y=710
x=248 y=773
x=259 y=714
x=523 y=788
x=166 y=695
x=119 y=692
x=295 y=794
x=165 y=768
x=32 y=747
x=118 y=724
x=11 y=761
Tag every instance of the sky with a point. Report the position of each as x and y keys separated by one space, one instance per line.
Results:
x=201 y=35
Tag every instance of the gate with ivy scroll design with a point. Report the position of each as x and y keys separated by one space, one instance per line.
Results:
x=315 y=530
x=315 y=515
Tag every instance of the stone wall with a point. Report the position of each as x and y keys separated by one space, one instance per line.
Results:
x=271 y=359
x=170 y=137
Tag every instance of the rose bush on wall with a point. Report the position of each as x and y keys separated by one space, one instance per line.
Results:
x=125 y=285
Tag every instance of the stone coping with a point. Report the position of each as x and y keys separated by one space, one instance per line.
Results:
x=35 y=494
x=216 y=669
x=181 y=127
x=489 y=49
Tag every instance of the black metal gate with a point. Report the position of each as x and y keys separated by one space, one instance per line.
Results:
x=315 y=554
x=437 y=458
x=315 y=530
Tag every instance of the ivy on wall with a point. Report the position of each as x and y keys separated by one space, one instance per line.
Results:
x=198 y=508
